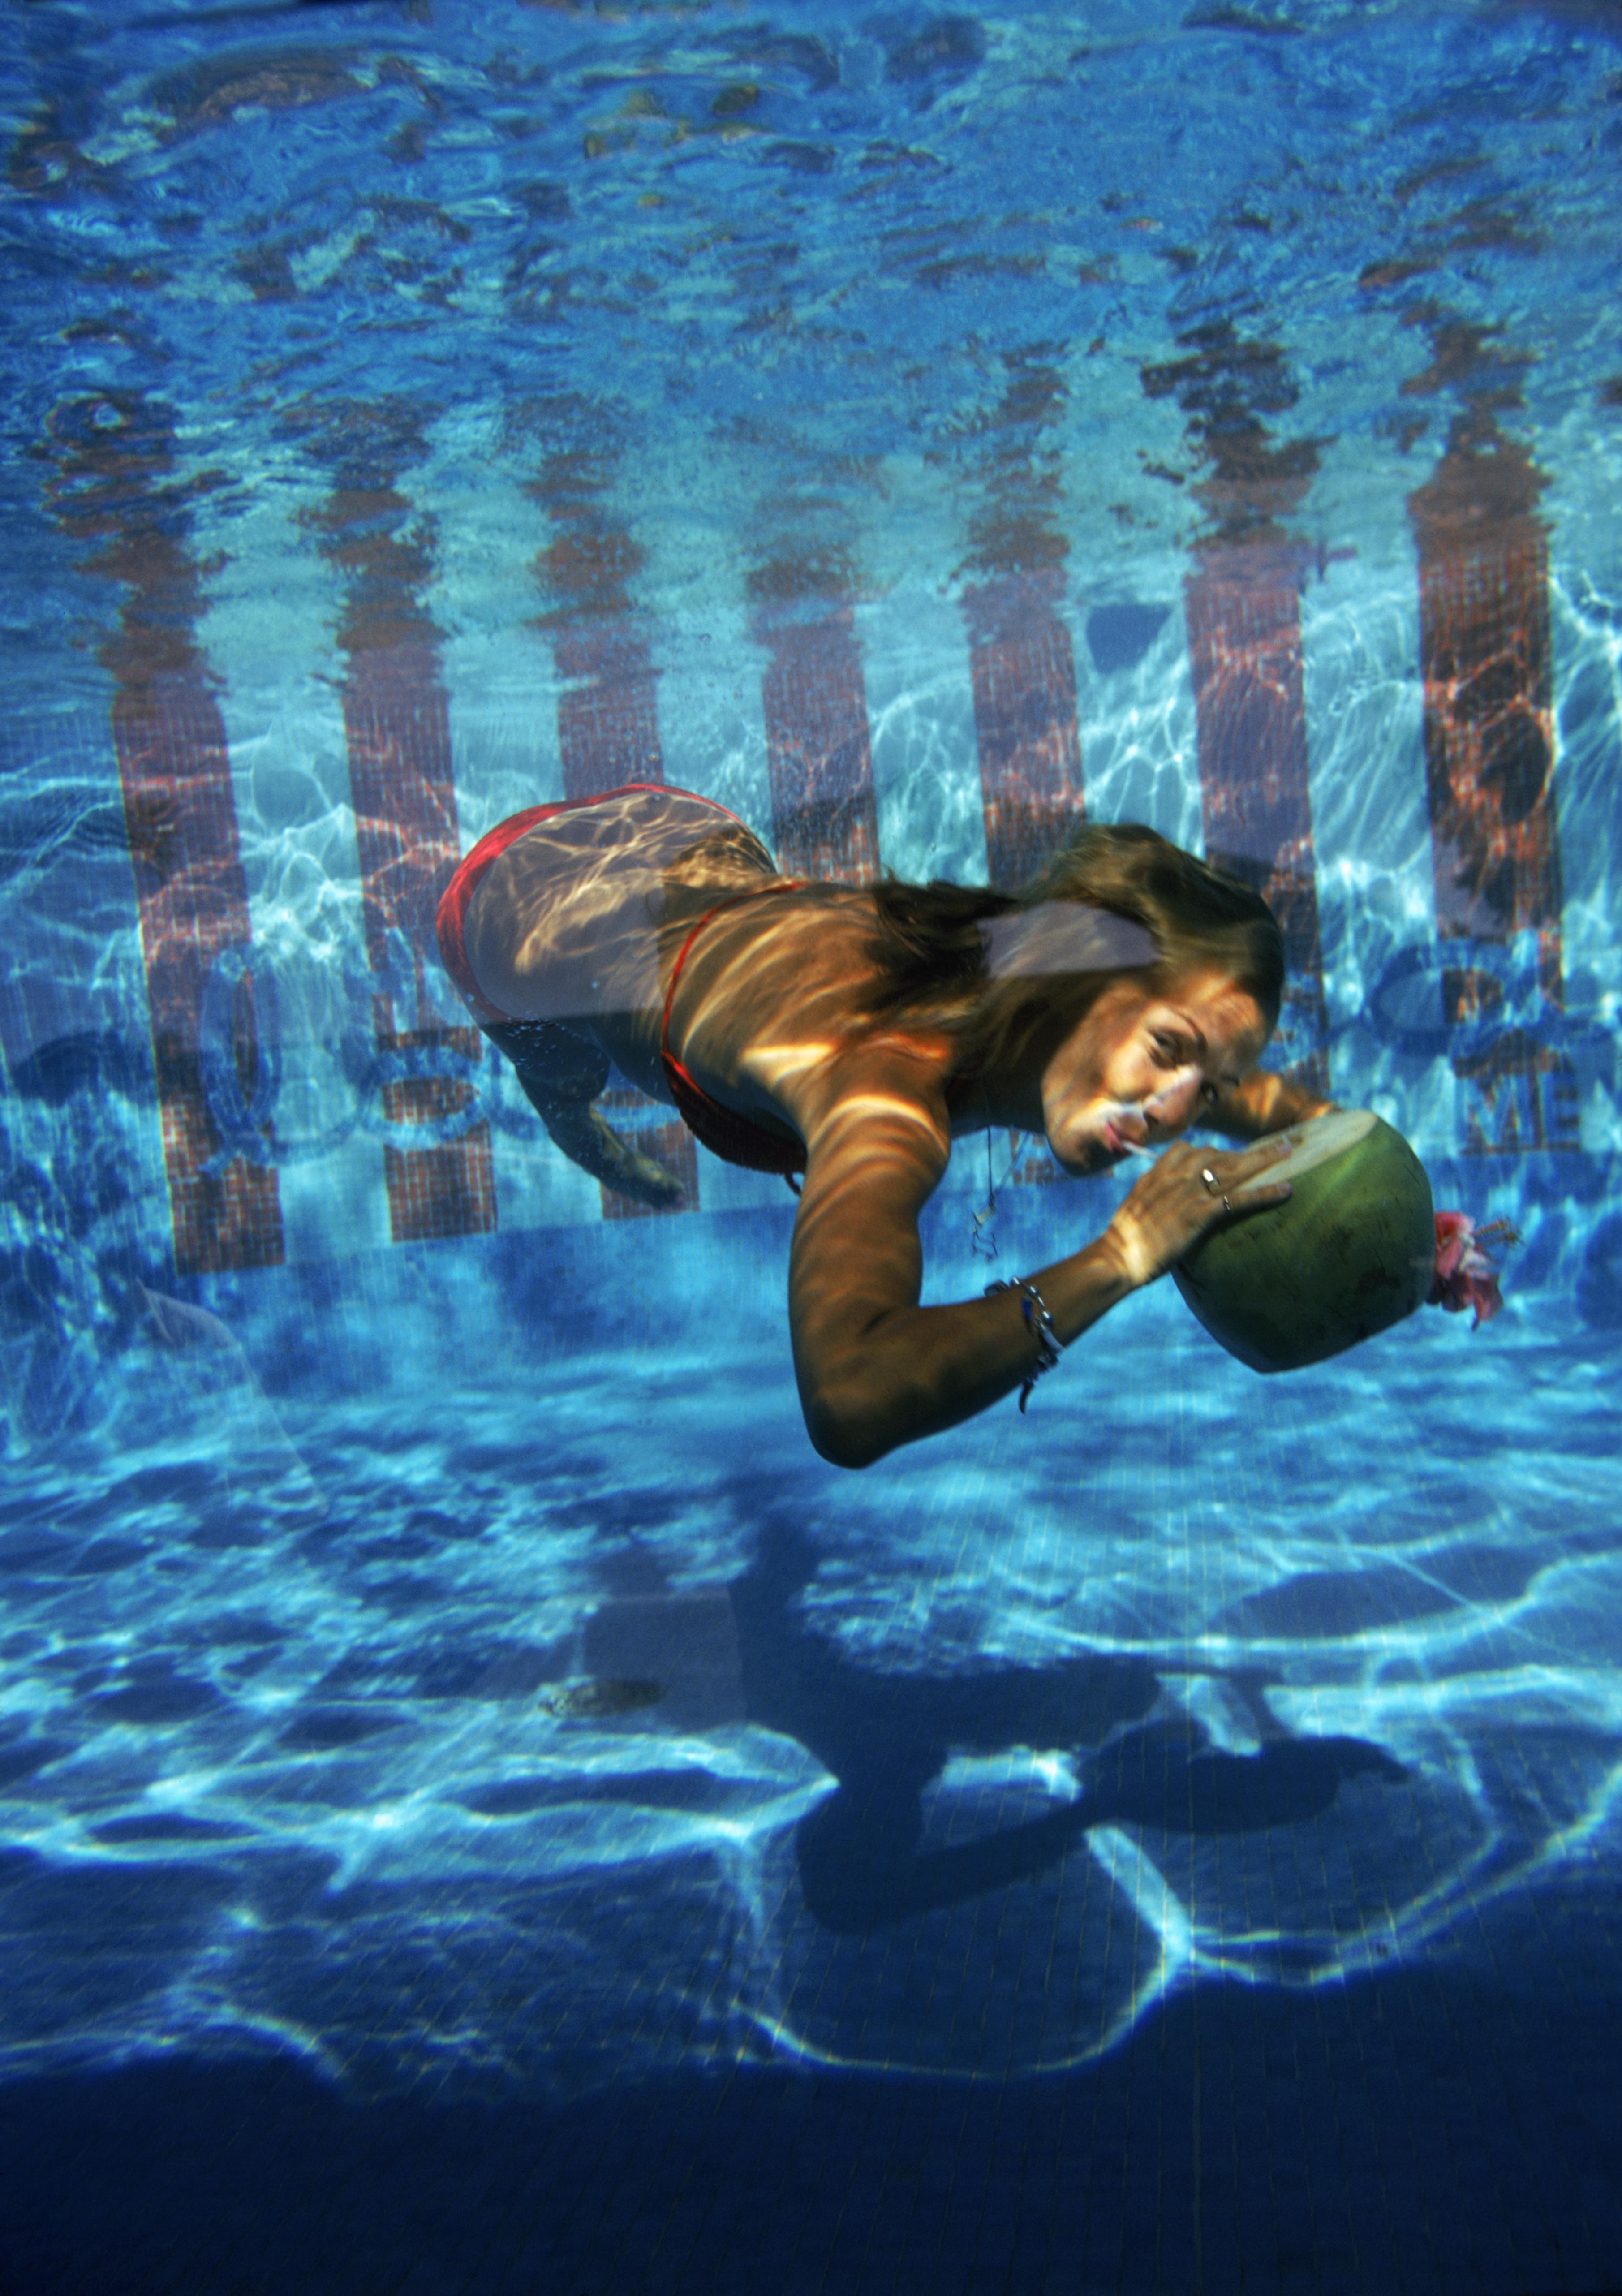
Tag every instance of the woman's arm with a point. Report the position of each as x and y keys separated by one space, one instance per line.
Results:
x=1263 y=1102
x=876 y=1370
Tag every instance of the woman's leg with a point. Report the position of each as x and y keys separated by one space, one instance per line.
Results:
x=563 y=1072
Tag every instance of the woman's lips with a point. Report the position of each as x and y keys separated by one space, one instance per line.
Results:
x=1117 y=1142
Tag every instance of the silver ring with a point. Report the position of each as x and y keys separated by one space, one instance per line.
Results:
x=1209 y=1177
x=1227 y=1206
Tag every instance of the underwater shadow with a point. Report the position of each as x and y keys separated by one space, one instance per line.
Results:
x=887 y=1737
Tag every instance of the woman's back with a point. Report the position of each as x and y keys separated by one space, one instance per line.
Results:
x=645 y=918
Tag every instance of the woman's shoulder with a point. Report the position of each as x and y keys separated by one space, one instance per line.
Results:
x=874 y=1077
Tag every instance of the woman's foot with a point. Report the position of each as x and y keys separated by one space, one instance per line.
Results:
x=562 y=1072
x=587 y=1138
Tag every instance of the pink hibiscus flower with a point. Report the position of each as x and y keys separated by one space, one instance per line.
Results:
x=1465 y=1277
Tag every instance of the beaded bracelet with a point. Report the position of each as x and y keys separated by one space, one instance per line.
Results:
x=1039 y=1322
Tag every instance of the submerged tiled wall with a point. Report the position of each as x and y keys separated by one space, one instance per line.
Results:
x=1244 y=629
x=114 y=485
x=825 y=818
x=1487 y=662
x=398 y=735
x=1046 y=667
x=1024 y=669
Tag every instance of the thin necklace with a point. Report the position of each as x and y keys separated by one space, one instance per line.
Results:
x=982 y=1235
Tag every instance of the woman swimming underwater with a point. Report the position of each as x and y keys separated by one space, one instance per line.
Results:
x=852 y=1033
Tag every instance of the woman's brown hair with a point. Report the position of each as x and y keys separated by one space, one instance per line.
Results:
x=930 y=952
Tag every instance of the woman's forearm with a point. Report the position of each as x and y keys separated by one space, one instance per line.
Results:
x=912 y=1371
x=874 y=1377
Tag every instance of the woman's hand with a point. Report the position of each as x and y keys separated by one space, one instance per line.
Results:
x=1173 y=1203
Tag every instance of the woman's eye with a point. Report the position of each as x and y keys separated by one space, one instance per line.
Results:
x=1167 y=1050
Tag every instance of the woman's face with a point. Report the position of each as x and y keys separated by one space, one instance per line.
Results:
x=1142 y=1065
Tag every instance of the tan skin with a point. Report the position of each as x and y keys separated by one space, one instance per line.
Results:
x=769 y=1017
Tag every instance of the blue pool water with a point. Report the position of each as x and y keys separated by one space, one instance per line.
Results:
x=483 y=1804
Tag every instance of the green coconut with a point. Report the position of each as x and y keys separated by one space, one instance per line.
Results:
x=1349 y=1254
